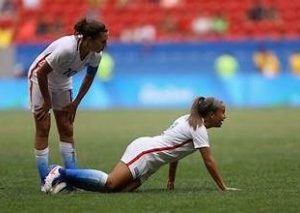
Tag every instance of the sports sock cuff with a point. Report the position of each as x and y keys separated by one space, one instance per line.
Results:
x=68 y=154
x=66 y=147
x=104 y=178
x=41 y=152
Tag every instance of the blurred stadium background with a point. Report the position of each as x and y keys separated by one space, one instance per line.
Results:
x=163 y=53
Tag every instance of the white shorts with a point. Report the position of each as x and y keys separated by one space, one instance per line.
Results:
x=136 y=160
x=59 y=98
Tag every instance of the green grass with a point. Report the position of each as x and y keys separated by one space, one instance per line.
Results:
x=256 y=150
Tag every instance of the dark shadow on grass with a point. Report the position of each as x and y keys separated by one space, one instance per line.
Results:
x=178 y=190
x=152 y=191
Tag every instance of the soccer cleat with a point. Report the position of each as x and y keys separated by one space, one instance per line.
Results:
x=59 y=187
x=43 y=188
x=51 y=178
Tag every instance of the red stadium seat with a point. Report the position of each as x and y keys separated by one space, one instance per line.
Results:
x=145 y=12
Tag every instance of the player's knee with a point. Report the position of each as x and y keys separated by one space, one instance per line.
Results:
x=66 y=130
x=111 y=185
x=43 y=130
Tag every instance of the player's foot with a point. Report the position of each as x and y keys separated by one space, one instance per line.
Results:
x=51 y=177
x=43 y=188
x=59 y=187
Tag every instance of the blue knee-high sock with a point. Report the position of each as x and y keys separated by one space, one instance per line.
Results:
x=41 y=159
x=87 y=179
x=68 y=154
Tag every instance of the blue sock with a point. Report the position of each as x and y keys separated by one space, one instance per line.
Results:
x=41 y=159
x=68 y=154
x=87 y=179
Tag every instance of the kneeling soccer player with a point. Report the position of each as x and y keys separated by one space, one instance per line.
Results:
x=145 y=155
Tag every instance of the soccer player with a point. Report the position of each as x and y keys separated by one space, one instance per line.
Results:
x=50 y=87
x=145 y=155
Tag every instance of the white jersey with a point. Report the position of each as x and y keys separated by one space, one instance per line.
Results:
x=64 y=58
x=147 y=154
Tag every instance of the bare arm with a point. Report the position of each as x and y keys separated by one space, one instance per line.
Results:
x=172 y=175
x=211 y=166
x=42 y=77
x=85 y=86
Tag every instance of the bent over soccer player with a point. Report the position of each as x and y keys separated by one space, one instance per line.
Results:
x=145 y=155
x=50 y=80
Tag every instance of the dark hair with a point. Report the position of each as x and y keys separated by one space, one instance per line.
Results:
x=202 y=107
x=89 y=28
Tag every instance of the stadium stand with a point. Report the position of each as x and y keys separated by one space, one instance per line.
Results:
x=168 y=22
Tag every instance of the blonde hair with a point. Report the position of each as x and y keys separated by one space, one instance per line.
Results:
x=202 y=107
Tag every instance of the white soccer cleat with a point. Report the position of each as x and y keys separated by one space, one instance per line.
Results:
x=59 y=187
x=43 y=188
x=51 y=177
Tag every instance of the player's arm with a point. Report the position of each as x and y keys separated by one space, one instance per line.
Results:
x=42 y=77
x=172 y=175
x=211 y=166
x=86 y=84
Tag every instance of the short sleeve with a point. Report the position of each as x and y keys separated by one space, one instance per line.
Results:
x=58 y=59
x=95 y=60
x=200 y=137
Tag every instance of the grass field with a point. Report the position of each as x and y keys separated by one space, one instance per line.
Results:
x=257 y=150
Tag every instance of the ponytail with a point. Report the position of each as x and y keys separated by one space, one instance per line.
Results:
x=89 y=28
x=195 y=118
x=202 y=107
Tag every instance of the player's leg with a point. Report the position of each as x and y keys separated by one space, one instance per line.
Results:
x=132 y=186
x=137 y=169
x=65 y=128
x=87 y=179
x=95 y=180
x=66 y=141
x=42 y=128
x=119 y=178
x=41 y=146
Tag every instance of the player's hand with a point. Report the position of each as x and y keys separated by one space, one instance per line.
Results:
x=170 y=185
x=43 y=112
x=232 y=189
x=71 y=110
